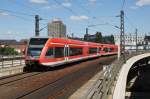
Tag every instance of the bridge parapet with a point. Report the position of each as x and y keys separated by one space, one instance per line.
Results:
x=9 y=61
x=111 y=83
x=120 y=89
x=11 y=65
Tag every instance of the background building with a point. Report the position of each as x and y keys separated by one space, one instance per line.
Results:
x=147 y=42
x=18 y=46
x=130 y=41
x=56 y=28
x=99 y=38
x=90 y=37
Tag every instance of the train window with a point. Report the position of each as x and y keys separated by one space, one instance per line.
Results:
x=59 y=52
x=35 y=52
x=106 y=49
x=75 y=51
x=99 y=49
x=92 y=50
x=50 y=53
x=111 y=49
x=38 y=41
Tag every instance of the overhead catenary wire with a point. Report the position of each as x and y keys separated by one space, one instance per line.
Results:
x=70 y=10
x=89 y=12
x=123 y=5
x=16 y=12
x=26 y=6
x=58 y=2
x=43 y=28
x=97 y=30
x=20 y=15
x=129 y=21
x=83 y=8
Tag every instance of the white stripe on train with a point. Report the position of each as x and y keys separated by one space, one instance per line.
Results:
x=53 y=64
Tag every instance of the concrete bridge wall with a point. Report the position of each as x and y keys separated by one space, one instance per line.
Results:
x=120 y=89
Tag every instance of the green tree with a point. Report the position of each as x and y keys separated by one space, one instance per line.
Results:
x=98 y=38
x=112 y=39
x=108 y=39
x=8 y=51
x=86 y=37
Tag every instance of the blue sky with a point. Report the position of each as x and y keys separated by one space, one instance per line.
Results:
x=17 y=20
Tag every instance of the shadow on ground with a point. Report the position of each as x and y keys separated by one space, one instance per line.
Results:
x=141 y=87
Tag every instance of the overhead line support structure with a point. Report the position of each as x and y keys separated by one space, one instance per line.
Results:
x=136 y=30
x=37 y=29
x=122 y=35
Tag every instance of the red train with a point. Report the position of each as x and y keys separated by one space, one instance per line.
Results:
x=56 y=51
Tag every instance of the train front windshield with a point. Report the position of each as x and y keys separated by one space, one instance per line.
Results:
x=35 y=52
x=35 y=46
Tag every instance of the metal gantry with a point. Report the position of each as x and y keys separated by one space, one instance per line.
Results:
x=37 y=19
x=136 y=39
x=122 y=35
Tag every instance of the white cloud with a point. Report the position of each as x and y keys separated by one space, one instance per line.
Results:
x=92 y=0
x=39 y=1
x=47 y=7
x=66 y=4
x=51 y=7
x=133 y=7
x=79 y=18
x=142 y=2
x=3 y=14
x=9 y=33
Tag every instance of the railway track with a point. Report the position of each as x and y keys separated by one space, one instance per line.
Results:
x=51 y=84
x=17 y=77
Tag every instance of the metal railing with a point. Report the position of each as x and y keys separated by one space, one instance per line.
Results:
x=9 y=61
x=103 y=87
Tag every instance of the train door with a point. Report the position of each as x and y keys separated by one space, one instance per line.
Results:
x=68 y=49
x=98 y=51
x=66 y=52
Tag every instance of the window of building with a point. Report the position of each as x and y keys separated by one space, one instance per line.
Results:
x=75 y=51
x=92 y=50
x=59 y=52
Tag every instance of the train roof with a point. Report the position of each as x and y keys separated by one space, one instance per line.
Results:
x=71 y=41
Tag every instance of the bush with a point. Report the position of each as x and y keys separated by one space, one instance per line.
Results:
x=8 y=51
